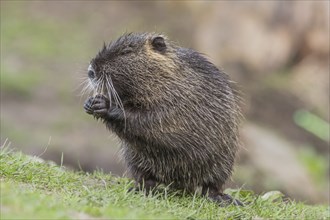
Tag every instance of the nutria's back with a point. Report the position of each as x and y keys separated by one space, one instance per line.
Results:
x=175 y=111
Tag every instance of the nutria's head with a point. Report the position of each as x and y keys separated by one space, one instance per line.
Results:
x=134 y=68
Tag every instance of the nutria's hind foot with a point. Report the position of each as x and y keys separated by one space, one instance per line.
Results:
x=216 y=195
x=224 y=200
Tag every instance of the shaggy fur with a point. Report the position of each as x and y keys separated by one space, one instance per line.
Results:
x=176 y=113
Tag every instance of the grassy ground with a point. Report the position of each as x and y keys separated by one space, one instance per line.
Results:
x=37 y=189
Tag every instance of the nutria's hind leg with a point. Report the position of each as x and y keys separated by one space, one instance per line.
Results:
x=215 y=194
x=147 y=185
x=144 y=183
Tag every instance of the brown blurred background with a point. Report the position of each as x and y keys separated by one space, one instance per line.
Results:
x=278 y=52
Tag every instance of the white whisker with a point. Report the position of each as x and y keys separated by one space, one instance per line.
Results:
x=116 y=97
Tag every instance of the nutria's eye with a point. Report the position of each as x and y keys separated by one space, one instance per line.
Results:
x=159 y=43
x=91 y=74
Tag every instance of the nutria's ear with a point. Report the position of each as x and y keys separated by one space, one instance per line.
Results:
x=158 y=43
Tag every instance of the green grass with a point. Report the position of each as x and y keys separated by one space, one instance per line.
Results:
x=37 y=189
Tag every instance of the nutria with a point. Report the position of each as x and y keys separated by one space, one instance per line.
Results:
x=176 y=113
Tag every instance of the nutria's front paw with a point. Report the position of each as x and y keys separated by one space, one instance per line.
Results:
x=88 y=105
x=98 y=106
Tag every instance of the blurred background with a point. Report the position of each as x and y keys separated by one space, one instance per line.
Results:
x=278 y=52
